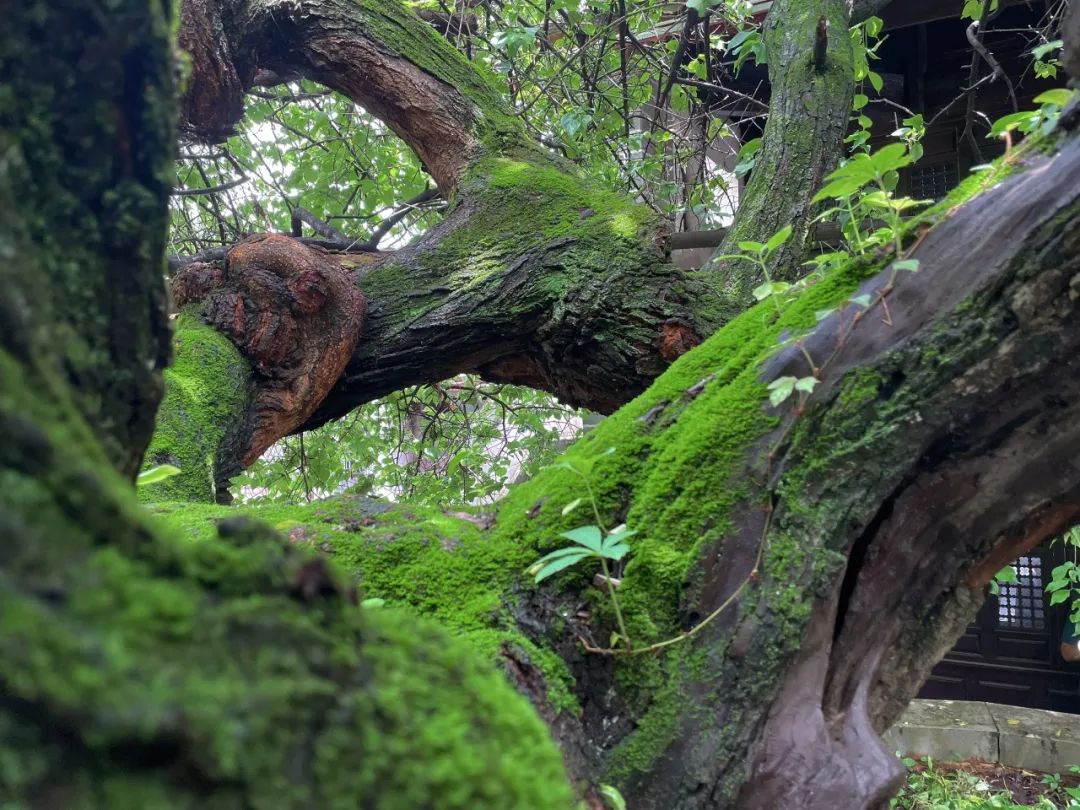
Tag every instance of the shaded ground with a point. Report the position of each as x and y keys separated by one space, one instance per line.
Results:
x=975 y=783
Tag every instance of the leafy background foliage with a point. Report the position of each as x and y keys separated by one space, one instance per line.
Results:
x=592 y=81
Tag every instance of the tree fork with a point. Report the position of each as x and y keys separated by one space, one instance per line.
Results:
x=537 y=276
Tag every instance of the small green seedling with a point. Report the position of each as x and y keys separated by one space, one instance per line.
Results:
x=590 y=543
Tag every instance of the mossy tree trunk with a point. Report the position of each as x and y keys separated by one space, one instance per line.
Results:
x=139 y=670
x=800 y=567
x=811 y=73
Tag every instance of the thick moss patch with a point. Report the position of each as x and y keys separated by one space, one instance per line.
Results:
x=417 y=558
x=206 y=396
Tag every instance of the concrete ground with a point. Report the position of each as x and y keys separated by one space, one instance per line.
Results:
x=953 y=730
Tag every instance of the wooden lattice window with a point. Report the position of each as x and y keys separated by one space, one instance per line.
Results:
x=1020 y=603
x=934 y=182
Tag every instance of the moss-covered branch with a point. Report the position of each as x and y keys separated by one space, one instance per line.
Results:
x=854 y=530
x=536 y=276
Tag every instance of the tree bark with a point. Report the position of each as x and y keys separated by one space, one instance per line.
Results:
x=797 y=570
x=811 y=73
x=94 y=323
x=138 y=669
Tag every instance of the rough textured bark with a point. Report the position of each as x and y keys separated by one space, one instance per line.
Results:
x=272 y=297
x=811 y=75
x=104 y=332
x=536 y=276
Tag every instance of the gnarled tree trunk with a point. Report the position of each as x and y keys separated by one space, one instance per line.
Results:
x=798 y=568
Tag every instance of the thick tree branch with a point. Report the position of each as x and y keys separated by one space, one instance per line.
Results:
x=812 y=80
x=381 y=55
x=537 y=276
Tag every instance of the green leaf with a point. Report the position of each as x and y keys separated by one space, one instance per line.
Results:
x=570 y=507
x=860 y=101
x=559 y=553
x=612 y=798
x=806 y=384
x=911 y=265
x=878 y=200
x=618 y=536
x=701 y=6
x=553 y=567
x=1039 y=51
x=1010 y=122
x=615 y=552
x=778 y=239
x=750 y=148
x=1059 y=97
x=822 y=314
x=891 y=157
x=763 y=291
x=156 y=474
x=862 y=300
x=1006 y=575
x=373 y=602
x=751 y=247
x=841 y=187
x=588 y=536
x=1058 y=597
x=780 y=389
x=859 y=166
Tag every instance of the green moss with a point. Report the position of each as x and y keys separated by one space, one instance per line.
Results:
x=207 y=388
x=532 y=240
x=529 y=206
x=88 y=204
x=395 y=26
x=419 y=558
x=568 y=204
x=199 y=650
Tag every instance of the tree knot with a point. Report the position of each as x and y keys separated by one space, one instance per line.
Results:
x=294 y=313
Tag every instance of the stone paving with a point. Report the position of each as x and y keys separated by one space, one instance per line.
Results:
x=953 y=730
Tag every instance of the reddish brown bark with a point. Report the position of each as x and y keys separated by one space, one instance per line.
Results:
x=293 y=311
